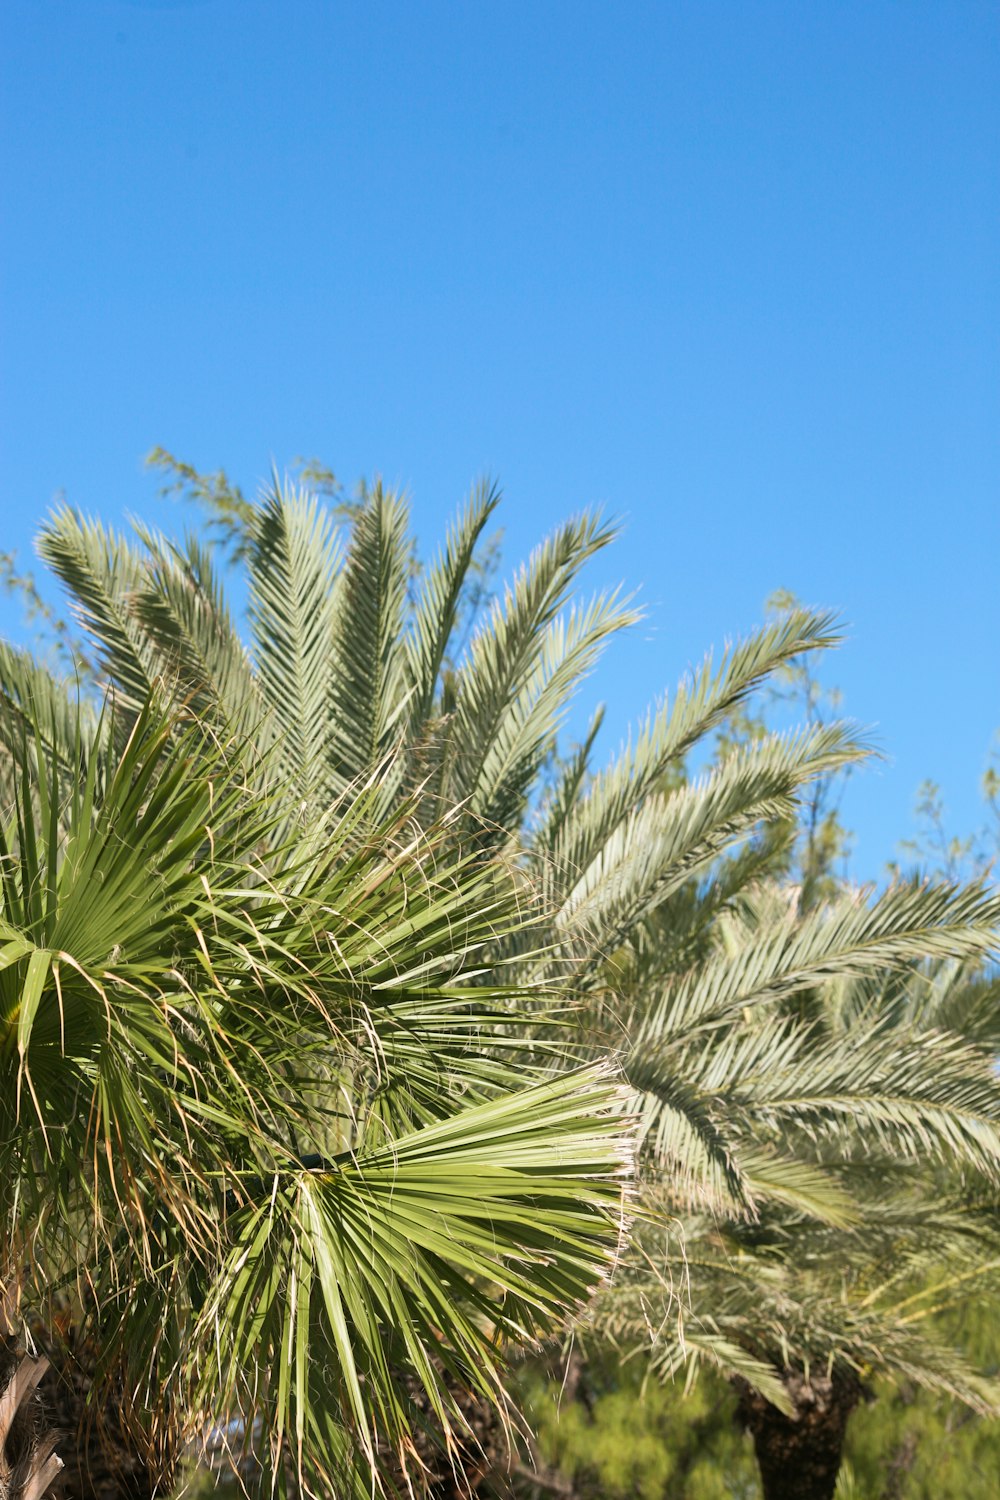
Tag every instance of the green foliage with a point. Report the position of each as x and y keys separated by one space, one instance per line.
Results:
x=229 y=1130
x=816 y=1265
x=625 y=1435
x=229 y=516
x=629 y=1437
x=53 y=640
x=907 y=1445
x=935 y=847
x=419 y=1006
x=911 y=1444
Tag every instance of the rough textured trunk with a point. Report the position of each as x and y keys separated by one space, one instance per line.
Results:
x=799 y=1457
x=105 y=1459
x=28 y=1461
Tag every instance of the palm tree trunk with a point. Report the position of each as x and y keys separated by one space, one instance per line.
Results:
x=28 y=1461
x=105 y=1459
x=799 y=1456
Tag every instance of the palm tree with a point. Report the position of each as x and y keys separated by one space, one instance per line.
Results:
x=265 y=1122
x=349 y=680
x=718 y=992
x=855 y=1066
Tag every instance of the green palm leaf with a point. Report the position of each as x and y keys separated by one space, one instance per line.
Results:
x=488 y=1224
x=439 y=601
x=505 y=671
x=367 y=682
x=293 y=565
x=699 y=706
x=104 y=574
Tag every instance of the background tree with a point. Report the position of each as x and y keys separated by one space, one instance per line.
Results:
x=773 y=1306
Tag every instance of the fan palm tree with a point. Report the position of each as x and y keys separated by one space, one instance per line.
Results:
x=265 y=1121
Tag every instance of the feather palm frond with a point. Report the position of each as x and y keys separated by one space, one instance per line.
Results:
x=104 y=574
x=36 y=702
x=526 y=733
x=699 y=706
x=670 y=837
x=184 y=612
x=438 y=602
x=853 y=938
x=293 y=564
x=506 y=656
x=368 y=687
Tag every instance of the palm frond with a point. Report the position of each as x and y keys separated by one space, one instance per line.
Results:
x=204 y=661
x=569 y=787
x=855 y=938
x=526 y=731
x=104 y=574
x=368 y=681
x=699 y=706
x=507 y=655
x=35 y=702
x=670 y=838
x=439 y=599
x=339 y=1276
x=293 y=565
x=927 y=1096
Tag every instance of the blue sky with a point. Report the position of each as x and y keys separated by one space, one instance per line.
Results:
x=730 y=270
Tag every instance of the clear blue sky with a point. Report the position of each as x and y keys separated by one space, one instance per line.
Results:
x=730 y=268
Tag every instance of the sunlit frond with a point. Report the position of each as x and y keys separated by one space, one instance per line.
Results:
x=494 y=729
x=439 y=599
x=367 y=679
x=699 y=706
x=293 y=565
x=104 y=573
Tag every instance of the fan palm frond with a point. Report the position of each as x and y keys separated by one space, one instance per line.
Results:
x=202 y=1023
x=349 y=1271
